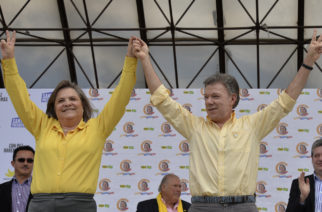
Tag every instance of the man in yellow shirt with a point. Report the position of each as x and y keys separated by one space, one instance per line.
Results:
x=224 y=150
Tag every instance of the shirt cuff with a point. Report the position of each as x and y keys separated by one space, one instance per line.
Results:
x=9 y=66
x=130 y=64
x=159 y=95
x=286 y=101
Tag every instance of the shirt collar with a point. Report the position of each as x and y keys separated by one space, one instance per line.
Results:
x=175 y=206
x=232 y=118
x=28 y=181
x=56 y=126
x=316 y=178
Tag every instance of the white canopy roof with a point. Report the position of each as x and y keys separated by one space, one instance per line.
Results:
x=259 y=42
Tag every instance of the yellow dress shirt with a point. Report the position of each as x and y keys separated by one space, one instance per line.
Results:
x=223 y=162
x=68 y=163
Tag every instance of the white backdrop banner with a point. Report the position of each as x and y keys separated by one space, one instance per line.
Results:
x=144 y=147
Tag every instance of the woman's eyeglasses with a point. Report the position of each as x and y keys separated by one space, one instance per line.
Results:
x=22 y=160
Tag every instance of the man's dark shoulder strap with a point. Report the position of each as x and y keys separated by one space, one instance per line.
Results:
x=6 y=186
x=5 y=196
x=8 y=183
x=185 y=205
x=150 y=205
x=312 y=188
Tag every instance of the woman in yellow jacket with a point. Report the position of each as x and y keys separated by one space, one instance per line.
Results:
x=69 y=142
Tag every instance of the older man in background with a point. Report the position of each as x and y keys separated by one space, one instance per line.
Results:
x=168 y=199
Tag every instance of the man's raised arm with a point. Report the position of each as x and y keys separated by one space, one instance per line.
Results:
x=315 y=49
x=141 y=51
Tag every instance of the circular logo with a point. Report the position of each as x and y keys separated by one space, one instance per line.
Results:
x=146 y=146
x=108 y=146
x=122 y=204
x=319 y=92
x=164 y=165
x=280 y=207
x=170 y=91
x=143 y=185
x=261 y=107
x=243 y=92
x=125 y=165
x=148 y=109
x=202 y=91
x=184 y=146
x=187 y=106
x=133 y=93
x=93 y=92
x=279 y=91
x=128 y=127
x=263 y=147
x=302 y=110
x=260 y=187
x=282 y=128
x=281 y=168
x=166 y=127
x=104 y=184
x=319 y=129
x=184 y=185
x=301 y=148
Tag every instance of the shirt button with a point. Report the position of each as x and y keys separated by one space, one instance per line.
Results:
x=58 y=173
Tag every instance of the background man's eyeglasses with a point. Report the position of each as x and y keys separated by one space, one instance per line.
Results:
x=22 y=160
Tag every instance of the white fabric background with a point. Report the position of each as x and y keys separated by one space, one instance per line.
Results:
x=125 y=186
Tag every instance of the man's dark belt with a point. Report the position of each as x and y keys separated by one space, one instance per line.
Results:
x=223 y=200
